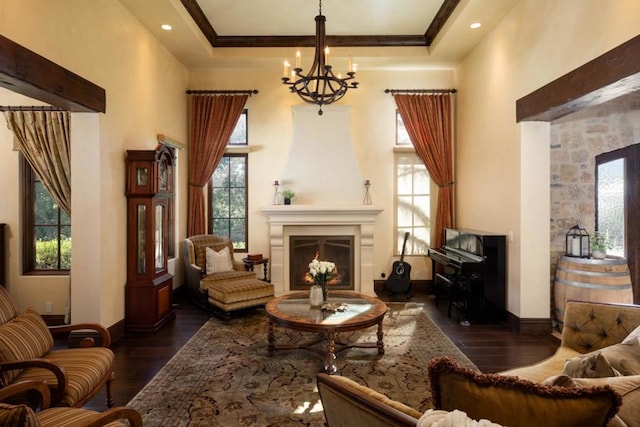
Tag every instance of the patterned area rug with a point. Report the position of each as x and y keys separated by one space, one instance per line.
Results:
x=224 y=377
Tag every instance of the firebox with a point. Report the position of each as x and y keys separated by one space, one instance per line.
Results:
x=337 y=249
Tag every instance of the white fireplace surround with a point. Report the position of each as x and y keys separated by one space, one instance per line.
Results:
x=321 y=220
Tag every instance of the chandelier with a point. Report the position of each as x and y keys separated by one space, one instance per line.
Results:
x=320 y=85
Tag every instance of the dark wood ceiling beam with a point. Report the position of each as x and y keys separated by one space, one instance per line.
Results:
x=445 y=11
x=32 y=75
x=309 y=41
x=193 y=8
x=606 y=77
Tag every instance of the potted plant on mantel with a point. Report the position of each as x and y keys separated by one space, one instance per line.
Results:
x=287 y=195
x=600 y=244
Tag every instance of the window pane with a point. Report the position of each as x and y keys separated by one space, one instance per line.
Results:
x=239 y=135
x=46 y=211
x=221 y=174
x=237 y=172
x=611 y=204
x=402 y=137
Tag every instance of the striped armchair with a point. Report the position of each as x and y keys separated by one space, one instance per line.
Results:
x=223 y=291
x=74 y=375
x=23 y=415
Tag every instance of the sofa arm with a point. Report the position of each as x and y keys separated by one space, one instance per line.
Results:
x=105 y=336
x=48 y=364
x=344 y=400
x=33 y=389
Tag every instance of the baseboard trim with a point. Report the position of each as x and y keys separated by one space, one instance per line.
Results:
x=534 y=326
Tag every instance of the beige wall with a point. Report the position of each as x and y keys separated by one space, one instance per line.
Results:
x=502 y=177
x=102 y=42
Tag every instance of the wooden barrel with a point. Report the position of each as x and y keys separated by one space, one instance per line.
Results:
x=592 y=280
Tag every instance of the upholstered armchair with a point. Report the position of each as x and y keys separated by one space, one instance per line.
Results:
x=223 y=286
x=74 y=375
x=39 y=394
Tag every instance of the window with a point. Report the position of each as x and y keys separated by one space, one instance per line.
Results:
x=47 y=229
x=402 y=137
x=228 y=193
x=413 y=204
x=617 y=186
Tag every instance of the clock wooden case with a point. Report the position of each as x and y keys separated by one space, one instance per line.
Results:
x=149 y=288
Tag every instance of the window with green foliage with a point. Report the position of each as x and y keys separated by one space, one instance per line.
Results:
x=228 y=192
x=47 y=229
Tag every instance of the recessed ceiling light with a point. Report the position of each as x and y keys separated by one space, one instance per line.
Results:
x=475 y=25
x=166 y=27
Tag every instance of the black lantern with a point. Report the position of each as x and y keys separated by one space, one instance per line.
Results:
x=577 y=242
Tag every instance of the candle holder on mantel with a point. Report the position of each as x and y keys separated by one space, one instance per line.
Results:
x=577 y=242
x=367 y=196
x=277 y=199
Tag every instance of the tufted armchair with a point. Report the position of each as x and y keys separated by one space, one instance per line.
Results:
x=74 y=375
x=24 y=415
x=223 y=291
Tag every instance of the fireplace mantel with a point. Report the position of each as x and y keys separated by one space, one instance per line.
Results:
x=356 y=220
x=321 y=214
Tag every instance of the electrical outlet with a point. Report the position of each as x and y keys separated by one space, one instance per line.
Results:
x=49 y=307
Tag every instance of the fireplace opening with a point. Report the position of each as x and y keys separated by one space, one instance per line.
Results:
x=337 y=249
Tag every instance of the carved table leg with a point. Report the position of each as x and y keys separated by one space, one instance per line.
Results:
x=271 y=338
x=380 y=343
x=330 y=362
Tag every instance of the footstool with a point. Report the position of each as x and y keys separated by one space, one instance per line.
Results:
x=234 y=295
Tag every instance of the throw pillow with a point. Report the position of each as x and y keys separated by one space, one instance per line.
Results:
x=218 y=262
x=514 y=402
x=25 y=337
x=595 y=365
x=633 y=337
x=623 y=358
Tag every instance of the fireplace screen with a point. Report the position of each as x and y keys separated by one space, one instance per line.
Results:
x=337 y=249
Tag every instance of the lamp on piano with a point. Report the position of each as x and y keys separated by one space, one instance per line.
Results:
x=577 y=242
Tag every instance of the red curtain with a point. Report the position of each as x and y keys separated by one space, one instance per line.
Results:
x=213 y=119
x=428 y=122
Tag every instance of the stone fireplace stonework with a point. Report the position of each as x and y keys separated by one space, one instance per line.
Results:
x=321 y=220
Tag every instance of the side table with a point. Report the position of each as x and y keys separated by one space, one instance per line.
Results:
x=250 y=263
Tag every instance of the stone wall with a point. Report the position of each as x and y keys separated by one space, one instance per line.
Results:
x=575 y=142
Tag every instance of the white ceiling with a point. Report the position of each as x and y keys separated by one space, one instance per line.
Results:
x=296 y=18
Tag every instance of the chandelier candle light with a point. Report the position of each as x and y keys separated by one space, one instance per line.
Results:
x=320 y=85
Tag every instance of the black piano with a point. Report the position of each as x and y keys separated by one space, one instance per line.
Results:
x=470 y=269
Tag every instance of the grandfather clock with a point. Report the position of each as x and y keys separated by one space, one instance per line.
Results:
x=149 y=288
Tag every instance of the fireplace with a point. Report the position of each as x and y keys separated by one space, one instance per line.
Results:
x=356 y=222
x=337 y=249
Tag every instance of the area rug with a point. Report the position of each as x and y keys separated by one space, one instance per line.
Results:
x=224 y=377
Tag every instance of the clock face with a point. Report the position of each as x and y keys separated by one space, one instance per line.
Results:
x=142 y=176
x=163 y=175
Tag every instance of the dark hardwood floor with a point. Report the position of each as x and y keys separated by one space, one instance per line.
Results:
x=492 y=347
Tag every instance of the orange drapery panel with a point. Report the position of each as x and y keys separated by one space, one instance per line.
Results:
x=427 y=119
x=213 y=119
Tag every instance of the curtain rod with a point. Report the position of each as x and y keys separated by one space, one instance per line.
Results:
x=223 y=92
x=394 y=91
x=29 y=108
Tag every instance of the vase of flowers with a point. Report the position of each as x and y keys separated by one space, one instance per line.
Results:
x=321 y=273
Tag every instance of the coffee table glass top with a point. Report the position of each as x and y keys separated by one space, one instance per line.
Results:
x=357 y=307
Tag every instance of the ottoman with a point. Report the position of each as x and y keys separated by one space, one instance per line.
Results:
x=228 y=296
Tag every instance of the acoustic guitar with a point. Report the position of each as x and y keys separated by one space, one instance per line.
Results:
x=399 y=280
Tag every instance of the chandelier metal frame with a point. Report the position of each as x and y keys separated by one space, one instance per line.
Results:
x=320 y=85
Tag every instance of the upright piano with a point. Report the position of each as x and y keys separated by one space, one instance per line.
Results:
x=472 y=273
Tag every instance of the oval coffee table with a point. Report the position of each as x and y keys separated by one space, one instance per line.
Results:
x=293 y=311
